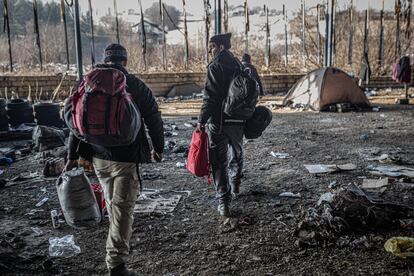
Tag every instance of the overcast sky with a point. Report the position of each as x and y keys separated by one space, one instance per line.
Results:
x=196 y=6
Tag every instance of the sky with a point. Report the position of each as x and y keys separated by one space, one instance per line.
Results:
x=195 y=7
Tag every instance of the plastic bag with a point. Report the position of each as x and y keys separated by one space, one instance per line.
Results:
x=402 y=247
x=77 y=199
x=63 y=247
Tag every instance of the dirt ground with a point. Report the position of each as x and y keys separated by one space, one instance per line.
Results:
x=194 y=239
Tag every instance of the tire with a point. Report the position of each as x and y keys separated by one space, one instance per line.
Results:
x=19 y=111
x=48 y=114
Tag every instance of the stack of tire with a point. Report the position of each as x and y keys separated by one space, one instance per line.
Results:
x=48 y=114
x=20 y=111
x=4 y=122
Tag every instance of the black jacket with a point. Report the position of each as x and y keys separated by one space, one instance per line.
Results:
x=255 y=76
x=139 y=151
x=220 y=72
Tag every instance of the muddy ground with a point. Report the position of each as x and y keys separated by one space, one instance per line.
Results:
x=194 y=240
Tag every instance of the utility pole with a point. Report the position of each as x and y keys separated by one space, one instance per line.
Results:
x=217 y=21
x=65 y=30
x=330 y=7
x=78 y=41
x=398 y=27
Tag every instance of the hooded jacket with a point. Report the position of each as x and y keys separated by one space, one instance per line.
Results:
x=139 y=151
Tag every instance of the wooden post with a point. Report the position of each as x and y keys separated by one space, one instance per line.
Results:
x=318 y=35
x=286 y=35
x=267 y=50
x=351 y=32
x=303 y=33
x=397 y=53
x=226 y=16
x=143 y=37
x=381 y=42
x=78 y=40
x=185 y=37
x=207 y=27
x=6 y=27
x=164 y=41
x=116 y=21
x=246 y=27
x=65 y=31
x=36 y=28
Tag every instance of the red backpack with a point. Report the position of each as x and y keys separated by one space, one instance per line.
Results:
x=101 y=112
x=197 y=162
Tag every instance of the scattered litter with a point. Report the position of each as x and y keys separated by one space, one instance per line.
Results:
x=351 y=210
x=375 y=184
x=364 y=137
x=362 y=241
x=333 y=184
x=321 y=168
x=379 y=158
x=376 y=108
x=382 y=115
x=55 y=218
x=1 y=172
x=5 y=161
x=290 y=194
x=63 y=247
x=188 y=125
x=391 y=170
x=43 y=201
x=180 y=164
x=326 y=197
x=37 y=231
x=280 y=155
x=402 y=247
x=156 y=201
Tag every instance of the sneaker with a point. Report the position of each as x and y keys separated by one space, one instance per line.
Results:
x=234 y=190
x=121 y=270
x=224 y=209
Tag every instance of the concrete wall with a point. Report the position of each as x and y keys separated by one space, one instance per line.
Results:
x=160 y=83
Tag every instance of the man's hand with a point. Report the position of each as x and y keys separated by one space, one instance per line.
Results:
x=200 y=127
x=156 y=156
x=69 y=165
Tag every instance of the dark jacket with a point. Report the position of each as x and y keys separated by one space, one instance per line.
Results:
x=255 y=76
x=139 y=151
x=404 y=70
x=220 y=72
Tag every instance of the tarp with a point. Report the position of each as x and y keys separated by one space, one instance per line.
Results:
x=324 y=87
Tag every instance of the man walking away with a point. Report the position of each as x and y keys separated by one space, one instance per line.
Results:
x=117 y=167
x=225 y=133
x=246 y=61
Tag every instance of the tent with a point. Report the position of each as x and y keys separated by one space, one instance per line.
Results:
x=324 y=87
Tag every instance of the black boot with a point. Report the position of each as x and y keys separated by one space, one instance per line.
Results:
x=121 y=270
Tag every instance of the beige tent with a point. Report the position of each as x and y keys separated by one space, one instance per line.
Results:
x=324 y=87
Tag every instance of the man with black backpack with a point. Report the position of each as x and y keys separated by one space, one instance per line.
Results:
x=226 y=117
x=106 y=116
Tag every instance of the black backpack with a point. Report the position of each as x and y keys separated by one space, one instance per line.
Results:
x=242 y=95
x=255 y=126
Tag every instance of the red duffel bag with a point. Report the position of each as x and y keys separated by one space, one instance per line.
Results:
x=197 y=162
